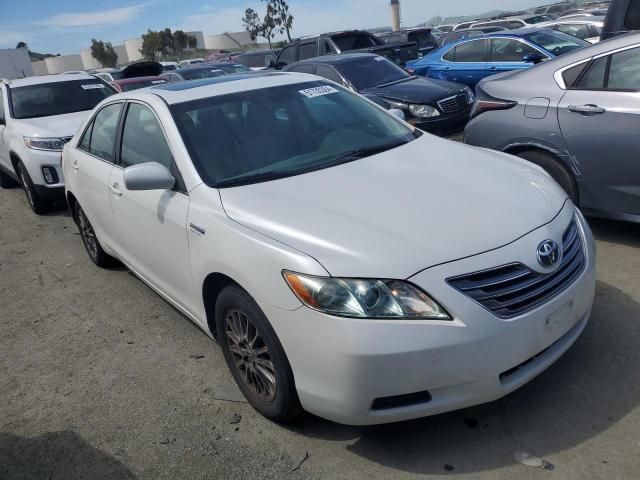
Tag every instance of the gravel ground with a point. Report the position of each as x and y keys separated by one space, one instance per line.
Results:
x=100 y=378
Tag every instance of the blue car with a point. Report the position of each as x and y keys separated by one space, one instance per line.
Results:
x=469 y=60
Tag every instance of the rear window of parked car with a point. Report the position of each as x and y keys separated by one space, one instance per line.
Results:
x=472 y=51
x=58 y=98
x=557 y=43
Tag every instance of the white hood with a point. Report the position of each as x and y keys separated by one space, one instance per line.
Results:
x=390 y=215
x=55 y=126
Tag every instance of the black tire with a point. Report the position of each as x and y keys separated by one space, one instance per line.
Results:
x=38 y=204
x=554 y=168
x=6 y=181
x=90 y=240
x=250 y=369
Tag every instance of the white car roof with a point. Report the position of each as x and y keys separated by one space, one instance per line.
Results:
x=40 y=79
x=210 y=87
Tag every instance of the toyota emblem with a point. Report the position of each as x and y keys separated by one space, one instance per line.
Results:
x=548 y=253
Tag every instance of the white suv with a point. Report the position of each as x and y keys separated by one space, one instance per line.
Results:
x=346 y=262
x=38 y=115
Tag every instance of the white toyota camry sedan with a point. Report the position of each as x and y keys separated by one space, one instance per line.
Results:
x=347 y=264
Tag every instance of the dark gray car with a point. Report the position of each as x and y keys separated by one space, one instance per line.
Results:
x=578 y=117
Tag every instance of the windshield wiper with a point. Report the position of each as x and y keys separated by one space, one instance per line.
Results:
x=366 y=152
x=254 y=178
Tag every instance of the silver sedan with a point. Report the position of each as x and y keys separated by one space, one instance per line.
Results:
x=578 y=117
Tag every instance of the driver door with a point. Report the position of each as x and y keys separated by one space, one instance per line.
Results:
x=151 y=225
x=507 y=54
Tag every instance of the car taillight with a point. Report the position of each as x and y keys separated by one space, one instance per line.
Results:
x=485 y=103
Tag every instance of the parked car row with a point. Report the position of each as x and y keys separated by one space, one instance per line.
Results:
x=271 y=208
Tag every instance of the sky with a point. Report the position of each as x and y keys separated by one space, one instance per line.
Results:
x=67 y=26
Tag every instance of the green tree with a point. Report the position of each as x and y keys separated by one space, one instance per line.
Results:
x=256 y=27
x=281 y=16
x=104 y=53
x=152 y=45
x=179 y=42
x=251 y=23
x=167 y=42
x=192 y=42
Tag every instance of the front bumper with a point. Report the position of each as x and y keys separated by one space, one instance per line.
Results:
x=34 y=160
x=341 y=366
x=442 y=123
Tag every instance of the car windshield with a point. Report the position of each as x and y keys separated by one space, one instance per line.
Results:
x=557 y=43
x=201 y=73
x=371 y=72
x=260 y=135
x=58 y=98
x=127 y=87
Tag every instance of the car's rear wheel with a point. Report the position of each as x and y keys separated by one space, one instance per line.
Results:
x=554 y=168
x=38 y=204
x=254 y=355
x=90 y=240
x=6 y=181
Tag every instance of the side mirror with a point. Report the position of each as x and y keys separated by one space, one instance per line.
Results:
x=148 y=176
x=396 y=112
x=534 y=58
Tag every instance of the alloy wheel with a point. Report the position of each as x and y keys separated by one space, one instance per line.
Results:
x=250 y=354
x=88 y=235
x=27 y=187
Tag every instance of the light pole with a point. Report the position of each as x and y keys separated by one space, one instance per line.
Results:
x=395 y=15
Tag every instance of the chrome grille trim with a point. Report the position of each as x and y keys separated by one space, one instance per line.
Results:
x=514 y=289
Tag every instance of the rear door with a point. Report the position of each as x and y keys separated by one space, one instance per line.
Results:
x=91 y=165
x=506 y=54
x=465 y=63
x=600 y=121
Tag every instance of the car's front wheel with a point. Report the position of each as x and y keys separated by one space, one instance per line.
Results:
x=254 y=355
x=90 y=240
x=38 y=204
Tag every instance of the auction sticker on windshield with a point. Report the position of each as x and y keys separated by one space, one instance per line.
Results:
x=92 y=86
x=318 y=91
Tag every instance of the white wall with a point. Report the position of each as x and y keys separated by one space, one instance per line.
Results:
x=40 y=68
x=121 y=51
x=132 y=47
x=199 y=37
x=15 y=63
x=88 y=61
x=228 y=40
x=64 y=63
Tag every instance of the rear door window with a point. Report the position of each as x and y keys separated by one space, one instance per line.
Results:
x=594 y=77
x=473 y=51
x=624 y=71
x=103 y=133
x=307 y=50
x=288 y=55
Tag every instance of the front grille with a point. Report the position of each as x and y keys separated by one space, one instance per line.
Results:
x=514 y=289
x=453 y=104
x=66 y=139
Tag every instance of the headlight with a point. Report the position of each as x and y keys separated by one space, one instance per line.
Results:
x=423 y=111
x=365 y=298
x=51 y=144
x=471 y=97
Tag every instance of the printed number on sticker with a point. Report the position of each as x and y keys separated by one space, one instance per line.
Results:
x=318 y=91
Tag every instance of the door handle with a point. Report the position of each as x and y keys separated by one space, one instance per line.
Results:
x=586 y=109
x=75 y=165
x=115 y=190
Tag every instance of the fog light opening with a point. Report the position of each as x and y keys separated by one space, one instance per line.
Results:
x=50 y=175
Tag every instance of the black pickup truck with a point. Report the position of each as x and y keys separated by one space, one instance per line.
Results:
x=343 y=42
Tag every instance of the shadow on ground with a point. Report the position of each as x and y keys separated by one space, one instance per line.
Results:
x=577 y=398
x=624 y=233
x=56 y=455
